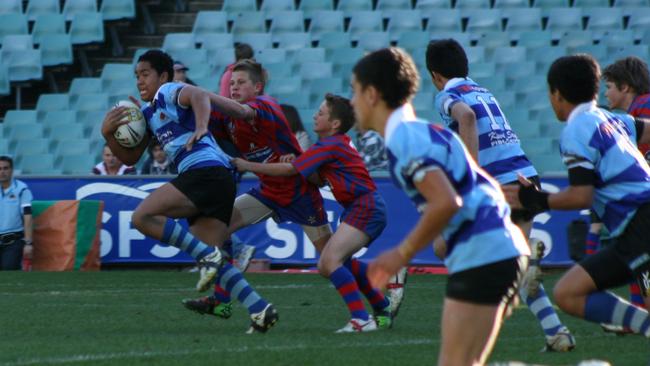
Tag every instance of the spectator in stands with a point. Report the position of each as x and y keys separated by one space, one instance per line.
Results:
x=295 y=123
x=371 y=147
x=15 y=218
x=158 y=162
x=242 y=52
x=180 y=73
x=111 y=165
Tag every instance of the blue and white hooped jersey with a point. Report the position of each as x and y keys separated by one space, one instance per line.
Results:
x=500 y=152
x=173 y=125
x=481 y=231
x=595 y=139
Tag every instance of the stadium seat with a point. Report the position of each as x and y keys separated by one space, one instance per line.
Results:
x=286 y=85
x=56 y=49
x=4 y=145
x=631 y=3
x=315 y=70
x=639 y=20
x=392 y=5
x=114 y=73
x=318 y=88
x=460 y=37
x=14 y=117
x=218 y=56
x=287 y=21
x=215 y=40
x=81 y=86
x=255 y=40
x=482 y=69
x=79 y=164
x=335 y=40
x=92 y=123
x=48 y=24
x=178 y=42
x=484 y=20
x=91 y=102
x=233 y=6
x=56 y=117
x=531 y=84
x=472 y=4
x=344 y=55
x=495 y=83
x=544 y=56
x=364 y=21
x=590 y=4
x=12 y=24
x=599 y=51
x=533 y=39
x=87 y=28
x=73 y=7
x=538 y=146
x=316 y=54
x=475 y=54
x=492 y=39
x=37 y=7
x=5 y=85
x=279 y=69
x=272 y=6
x=66 y=130
x=299 y=99
x=413 y=40
x=17 y=42
x=37 y=164
x=432 y=4
x=547 y=4
x=371 y=41
x=208 y=22
x=523 y=20
x=576 y=38
x=293 y=41
x=564 y=20
x=442 y=20
x=117 y=9
x=23 y=65
x=31 y=146
x=51 y=102
x=190 y=57
x=323 y=21
x=517 y=70
x=25 y=130
x=11 y=6
x=348 y=6
x=604 y=19
x=510 y=4
x=617 y=38
x=72 y=146
x=270 y=55
x=310 y=6
x=400 y=21
x=249 y=22
x=640 y=51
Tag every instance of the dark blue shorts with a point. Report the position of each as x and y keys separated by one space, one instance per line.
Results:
x=368 y=214
x=304 y=210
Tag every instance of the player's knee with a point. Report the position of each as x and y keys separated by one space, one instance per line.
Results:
x=325 y=266
x=139 y=219
x=563 y=297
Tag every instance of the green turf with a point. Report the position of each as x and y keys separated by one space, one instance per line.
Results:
x=136 y=318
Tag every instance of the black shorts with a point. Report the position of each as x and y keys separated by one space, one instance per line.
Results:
x=521 y=214
x=211 y=189
x=490 y=284
x=627 y=259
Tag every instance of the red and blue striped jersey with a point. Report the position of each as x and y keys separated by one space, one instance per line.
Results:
x=339 y=164
x=264 y=140
x=640 y=107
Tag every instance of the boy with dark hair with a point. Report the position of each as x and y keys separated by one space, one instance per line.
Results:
x=608 y=173
x=335 y=162
x=474 y=113
x=203 y=192
x=255 y=124
x=458 y=200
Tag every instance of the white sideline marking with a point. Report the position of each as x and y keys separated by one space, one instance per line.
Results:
x=134 y=354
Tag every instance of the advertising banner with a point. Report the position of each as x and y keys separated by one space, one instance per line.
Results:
x=282 y=243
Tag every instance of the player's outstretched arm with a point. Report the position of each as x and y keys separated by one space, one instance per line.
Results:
x=442 y=203
x=578 y=195
x=466 y=118
x=114 y=119
x=273 y=169
x=232 y=108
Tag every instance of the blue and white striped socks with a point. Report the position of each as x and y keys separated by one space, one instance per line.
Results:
x=177 y=236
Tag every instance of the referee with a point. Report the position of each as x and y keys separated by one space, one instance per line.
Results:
x=15 y=218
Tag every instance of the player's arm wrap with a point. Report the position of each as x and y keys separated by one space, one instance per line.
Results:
x=533 y=199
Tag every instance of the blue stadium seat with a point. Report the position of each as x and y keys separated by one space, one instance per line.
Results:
x=56 y=117
x=82 y=86
x=364 y=21
x=255 y=40
x=91 y=102
x=472 y=4
x=92 y=123
x=215 y=40
x=517 y=70
x=17 y=42
x=335 y=40
x=511 y=4
x=56 y=49
x=87 y=28
x=590 y=4
x=604 y=19
x=208 y=22
x=77 y=164
x=31 y=146
x=178 y=42
x=432 y=4
x=117 y=9
x=522 y=20
x=442 y=20
x=271 y=6
x=14 y=117
x=191 y=57
x=114 y=74
x=287 y=21
x=218 y=56
x=11 y=24
x=316 y=54
x=475 y=54
x=74 y=7
x=279 y=69
x=344 y=55
x=547 y=4
x=315 y=70
x=599 y=51
x=349 y=6
x=4 y=145
x=232 y=6
x=5 y=86
x=48 y=24
x=400 y=21
x=460 y=37
x=494 y=83
x=492 y=39
x=299 y=99
x=484 y=20
x=310 y=6
x=392 y=5
x=531 y=84
x=319 y=87
x=576 y=38
x=23 y=65
x=413 y=40
x=249 y=22
x=286 y=85
x=270 y=55
x=640 y=51
x=11 y=6
x=25 y=130
x=72 y=146
x=63 y=131
x=617 y=38
x=639 y=20
x=325 y=21
x=544 y=56
x=42 y=164
x=482 y=69
x=371 y=41
x=533 y=39
x=293 y=41
x=564 y=20
x=200 y=71
x=51 y=102
x=631 y=3
x=37 y=7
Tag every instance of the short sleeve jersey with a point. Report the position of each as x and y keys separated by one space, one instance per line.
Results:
x=500 y=152
x=173 y=124
x=13 y=202
x=640 y=107
x=264 y=140
x=481 y=231
x=340 y=165
x=594 y=139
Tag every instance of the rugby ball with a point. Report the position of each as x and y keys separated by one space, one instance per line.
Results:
x=130 y=134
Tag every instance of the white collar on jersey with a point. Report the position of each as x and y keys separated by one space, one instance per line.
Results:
x=581 y=108
x=400 y=115
x=453 y=82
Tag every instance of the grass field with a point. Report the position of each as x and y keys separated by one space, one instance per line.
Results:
x=136 y=318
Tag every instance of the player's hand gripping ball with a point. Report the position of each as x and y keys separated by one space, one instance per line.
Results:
x=130 y=134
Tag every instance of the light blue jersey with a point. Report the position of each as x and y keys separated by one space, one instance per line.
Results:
x=13 y=202
x=480 y=232
x=173 y=124
x=598 y=140
x=499 y=150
